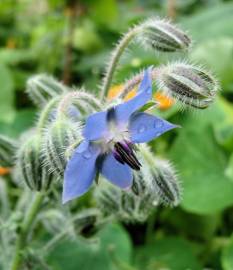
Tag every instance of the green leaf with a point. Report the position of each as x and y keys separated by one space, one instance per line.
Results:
x=113 y=246
x=210 y=51
x=86 y=37
x=168 y=253
x=201 y=163
x=229 y=168
x=15 y=56
x=148 y=106
x=104 y=12
x=191 y=225
x=227 y=256
x=6 y=94
x=23 y=120
x=212 y=23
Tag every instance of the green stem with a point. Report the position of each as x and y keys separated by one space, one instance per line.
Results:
x=25 y=229
x=115 y=59
x=46 y=111
x=150 y=227
x=148 y=156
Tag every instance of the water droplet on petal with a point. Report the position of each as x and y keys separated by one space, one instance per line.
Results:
x=155 y=203
x=86 y=154
x=141 y=128
x=148 y=90
x=158 y=123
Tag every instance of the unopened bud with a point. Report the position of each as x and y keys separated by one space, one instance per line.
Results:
x=189 y=84
x=58 y=139
x=41 y=88
x=29 y=164
x=7 y=151
x=83 y=222
x=165 y=183
x=163 y=36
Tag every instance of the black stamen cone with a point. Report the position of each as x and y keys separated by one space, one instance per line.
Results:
x=125 y=152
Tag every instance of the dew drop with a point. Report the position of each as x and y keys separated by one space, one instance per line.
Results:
x=86 y=154
x=155 y=203
x=158 y=124
x=148 y=90
x=141 y=128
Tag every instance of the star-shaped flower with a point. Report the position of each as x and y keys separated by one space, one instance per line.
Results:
x=109 y=144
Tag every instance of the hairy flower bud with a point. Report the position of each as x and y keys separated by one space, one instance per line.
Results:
x=163 y=36
x=165 y=183
x=29 y=164
x=7 y=151
x=189 y=84
x=58 y=139
x=80 y=223
x=42 y=88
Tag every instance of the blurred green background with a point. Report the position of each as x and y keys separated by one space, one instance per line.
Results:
x=72 y=41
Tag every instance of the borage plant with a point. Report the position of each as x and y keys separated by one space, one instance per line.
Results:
x=82 y=140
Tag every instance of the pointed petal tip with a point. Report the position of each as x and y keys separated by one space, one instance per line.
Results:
x=65 y=199
x=127 y=188
x=172 y=126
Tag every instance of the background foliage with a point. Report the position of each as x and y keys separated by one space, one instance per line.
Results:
x=72 y=40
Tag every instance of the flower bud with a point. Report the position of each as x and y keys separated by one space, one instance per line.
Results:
x=82 y=222
x=42 y=88
x=189 y=84
x=29 y=164
x=165 y=183
x=59 y=139
x=163 y=36
x=7 y=151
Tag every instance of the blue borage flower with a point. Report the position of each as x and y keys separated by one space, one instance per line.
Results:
x=109 y=144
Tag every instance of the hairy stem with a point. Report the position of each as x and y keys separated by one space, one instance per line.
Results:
x=44 y=114
x=25 y=229
x=136 y=80
x=72 y=13
x=171 y=9
x=115 y=59
x=75 y=97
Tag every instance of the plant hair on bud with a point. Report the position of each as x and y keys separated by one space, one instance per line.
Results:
x=189 y=84
x=8 y=147
x=163 y=36
x=29 y=164
x=41 y=88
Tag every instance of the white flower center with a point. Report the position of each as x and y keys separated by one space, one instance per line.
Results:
x=116 y=133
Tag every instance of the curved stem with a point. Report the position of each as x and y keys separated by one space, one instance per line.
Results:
x=72 y=98
x=25 y=229
x=136 y=80
x=44 y=114
x=115 y=59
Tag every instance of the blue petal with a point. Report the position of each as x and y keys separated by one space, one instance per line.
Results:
x=117 y=173
x=80 y=171
x=145 y=127
x=96 y=126
x=144 y=94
